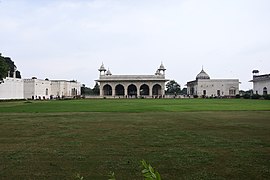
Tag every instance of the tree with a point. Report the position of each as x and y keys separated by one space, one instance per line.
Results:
x=86 y=90
x=96 y=89
x=173 y=88
x=184 y=91
x=6 y=64
x=3 y=69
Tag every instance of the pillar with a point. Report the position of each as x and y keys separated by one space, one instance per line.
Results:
x=150 y=90
x=138 y=90
x=126 y=91
x=113 y=91
x=101 y=90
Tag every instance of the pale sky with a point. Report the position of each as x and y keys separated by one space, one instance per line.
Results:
x=69 y=39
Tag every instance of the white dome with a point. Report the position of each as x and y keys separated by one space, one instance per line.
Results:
x=108 y=73
x=102 y=68
x=161 y=67
x=202 y=75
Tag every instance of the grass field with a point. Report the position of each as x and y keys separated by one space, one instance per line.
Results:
x=181 y=138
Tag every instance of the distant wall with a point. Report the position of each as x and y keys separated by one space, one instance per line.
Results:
x=259 y=86
x=37 y=88
x=12 y=88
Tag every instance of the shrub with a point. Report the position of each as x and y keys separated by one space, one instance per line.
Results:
x=237 y=96
x=255 y=96
x=148 y=172
x=267 y=97
x=246 y=96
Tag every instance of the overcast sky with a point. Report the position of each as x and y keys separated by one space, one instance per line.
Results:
x=69 y=39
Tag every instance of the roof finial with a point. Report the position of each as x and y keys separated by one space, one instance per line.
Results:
x=108 y=72
x=102 y=68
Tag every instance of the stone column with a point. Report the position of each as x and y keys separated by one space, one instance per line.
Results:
x=162 y=91
x=126 y=90
x=101 y=90
x=138 y=90
x=150 y=90
x=113 y=91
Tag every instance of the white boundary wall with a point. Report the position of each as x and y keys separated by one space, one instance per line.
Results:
x=12 y=88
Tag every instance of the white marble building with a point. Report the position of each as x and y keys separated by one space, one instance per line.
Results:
x=46 y=89
x=261 y=84
x=132 y=85
x=14 y=88
x=63 y=88
x=37 y=89
x=203 y=86
x=11 y=88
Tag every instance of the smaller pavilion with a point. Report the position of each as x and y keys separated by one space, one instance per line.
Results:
x=203 y=86
x=132 y=86
x=261 y=83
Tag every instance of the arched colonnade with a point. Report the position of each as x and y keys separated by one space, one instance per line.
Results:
x=132 y=89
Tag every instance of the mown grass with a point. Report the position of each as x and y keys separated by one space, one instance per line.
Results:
x=182 y=139
x=135 y=105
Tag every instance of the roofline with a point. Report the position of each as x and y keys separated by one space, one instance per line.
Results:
x=128 y=80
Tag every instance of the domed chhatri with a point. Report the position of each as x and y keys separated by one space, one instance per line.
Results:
x=161 y=67
x=102 y=68
x=108 y=73
x=161 y=70
x=202 y=75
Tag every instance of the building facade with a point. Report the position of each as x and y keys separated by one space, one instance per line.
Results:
x=63 y=88
x=12 y=88
x=48 y=89
x=37 y=89
x=130 y=86
x=261 y=84
x=203 y=86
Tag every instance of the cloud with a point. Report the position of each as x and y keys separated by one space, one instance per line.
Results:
x=70 y=38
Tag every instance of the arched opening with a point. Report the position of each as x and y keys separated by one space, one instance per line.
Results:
x=265 y=91
x=73 y=92
x=204 y=92
x=119 y=90
x=192 y=91
x=156 y=90
x=47 y=92
x=107 y=90
x=232 y=91
x=132 y=90
x=144 y=90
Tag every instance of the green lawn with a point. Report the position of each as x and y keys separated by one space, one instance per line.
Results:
x=181 y=138
x=135 y=105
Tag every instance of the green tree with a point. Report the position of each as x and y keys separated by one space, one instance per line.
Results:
x=86 y=90
x=3 y=68
x=96 y=89
x=6 y=65
x=184 y=91
x=172 y=87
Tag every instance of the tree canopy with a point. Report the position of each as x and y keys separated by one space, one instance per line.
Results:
x=173 y=87
x=88 y=91
x=96 y=89
x=3 y=69
x=6 y=64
